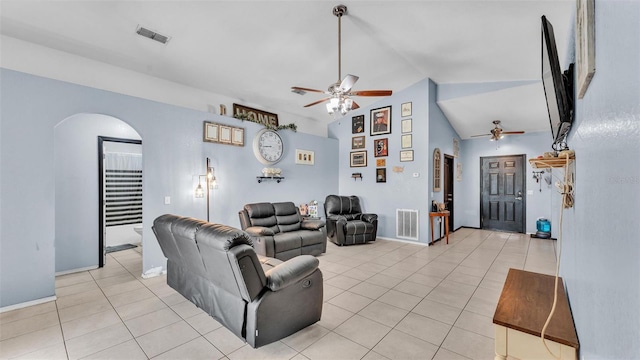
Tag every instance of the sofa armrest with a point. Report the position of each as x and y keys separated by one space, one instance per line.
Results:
x=337 y=218
x=312 y=224
x=259 y=231
x=370 y=218
x=291 y=271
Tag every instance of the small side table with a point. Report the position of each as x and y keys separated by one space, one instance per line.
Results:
x=444 y=214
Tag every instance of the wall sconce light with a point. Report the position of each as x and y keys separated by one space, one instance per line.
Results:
x=210 y=184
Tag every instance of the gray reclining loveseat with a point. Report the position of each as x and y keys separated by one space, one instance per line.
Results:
x=278 y=230
x=259 y=299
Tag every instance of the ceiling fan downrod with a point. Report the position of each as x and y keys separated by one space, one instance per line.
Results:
x=338 y=11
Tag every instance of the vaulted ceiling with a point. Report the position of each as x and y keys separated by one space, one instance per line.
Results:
x=484 y=54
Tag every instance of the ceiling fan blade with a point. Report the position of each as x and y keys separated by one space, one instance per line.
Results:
x=512 y=132
x=307 y=89
x=481 y=135
x=371 y=93
x=317 y=102
x=348 y=82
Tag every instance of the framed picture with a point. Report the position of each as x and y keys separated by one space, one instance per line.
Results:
x=237 y=136
x=381 y=175
x=381 y=121
x=406 y=155
x=305 y=157
x=406 y=141
x=358 y=158
x=406 y=126
x=585 y=43
x=357 y=142
x=381 y=162
x=381 y=147
x=357 y=124
x=210 y=132
x=406 y=109
x=225 y=134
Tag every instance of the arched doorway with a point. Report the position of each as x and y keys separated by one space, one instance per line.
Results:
x=77 y=187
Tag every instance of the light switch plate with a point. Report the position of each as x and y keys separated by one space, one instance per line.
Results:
x=167 y=200
x=529 y=192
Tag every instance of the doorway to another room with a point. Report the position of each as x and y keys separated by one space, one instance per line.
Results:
x=120 y=195
x=448 y=188
x=502 y=189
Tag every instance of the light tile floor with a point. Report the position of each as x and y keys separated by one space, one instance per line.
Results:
x=382 y=300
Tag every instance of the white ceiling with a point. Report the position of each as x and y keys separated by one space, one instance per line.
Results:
x=255 y=51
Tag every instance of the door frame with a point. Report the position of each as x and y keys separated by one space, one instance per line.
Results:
x=524 y=188
x=101 y=204
x=448 y=176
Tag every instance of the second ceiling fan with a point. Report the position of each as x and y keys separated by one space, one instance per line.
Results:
x=340 y=101
x=497 y=133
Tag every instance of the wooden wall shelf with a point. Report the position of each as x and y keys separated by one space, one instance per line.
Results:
x=550 y=162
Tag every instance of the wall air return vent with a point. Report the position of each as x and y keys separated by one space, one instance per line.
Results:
x=152 y=35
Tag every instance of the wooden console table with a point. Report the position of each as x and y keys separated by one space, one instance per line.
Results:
x=522 y=310
x=438 y=214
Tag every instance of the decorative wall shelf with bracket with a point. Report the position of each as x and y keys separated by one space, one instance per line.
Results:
x=263 y=178
x=550 y=162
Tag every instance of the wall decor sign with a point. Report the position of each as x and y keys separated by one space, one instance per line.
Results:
x=381 y=147
x=380 y=121
x=459 y=172
x=223 y=134
x=406 y=155
x=256 y=115
x=357 y=124
x=406 y=109
x=406 y=141
x=305 y=157
x=381 y=162
x=358 y=158
x=381 y=175
x=357 y=142
x=585 y=43
x=456 y=147
x=406 y=125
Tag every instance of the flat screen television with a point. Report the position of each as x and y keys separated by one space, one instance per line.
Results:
x=558 y=88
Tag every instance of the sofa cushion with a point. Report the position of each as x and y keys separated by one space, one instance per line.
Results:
x=262 y=214
x=358 y=227
x=287 y=241
x=287 y=216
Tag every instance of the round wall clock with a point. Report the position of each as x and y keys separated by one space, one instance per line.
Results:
x=268 y=147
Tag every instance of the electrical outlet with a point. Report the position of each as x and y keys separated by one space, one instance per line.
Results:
x=167 y=200
x=529 y=192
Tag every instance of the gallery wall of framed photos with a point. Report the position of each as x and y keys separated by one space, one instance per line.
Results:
x=380 y=123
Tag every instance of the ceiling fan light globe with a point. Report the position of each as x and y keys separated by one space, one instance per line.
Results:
x=348 y=104
x=329 y=109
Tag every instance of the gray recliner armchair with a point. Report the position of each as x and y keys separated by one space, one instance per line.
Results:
x=259 y=299
x=346 y=224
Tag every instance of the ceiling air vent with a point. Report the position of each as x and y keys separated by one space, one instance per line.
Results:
x=152 y=35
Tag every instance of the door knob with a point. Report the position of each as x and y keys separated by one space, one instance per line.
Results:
x=519 y=197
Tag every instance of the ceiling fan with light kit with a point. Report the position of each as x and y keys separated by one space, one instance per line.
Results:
x=340 y=93
x=497 y=133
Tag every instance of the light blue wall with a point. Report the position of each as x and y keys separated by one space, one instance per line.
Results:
x=174 y=154
x=76 y=186
x=601 y=246
x=532 y=145
x=402 y=190
x=441 y=135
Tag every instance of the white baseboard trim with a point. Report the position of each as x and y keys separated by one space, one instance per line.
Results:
x=28 y=303
x=403 y=241
x=65 y=272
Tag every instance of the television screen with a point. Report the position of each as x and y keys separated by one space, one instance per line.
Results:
x=557 y=86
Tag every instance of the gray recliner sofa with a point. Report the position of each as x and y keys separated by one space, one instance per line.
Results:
x=278 y=230
x=259 y=299
x=346 y=223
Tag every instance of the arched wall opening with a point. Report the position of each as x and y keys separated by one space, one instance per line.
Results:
x=77 y=187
